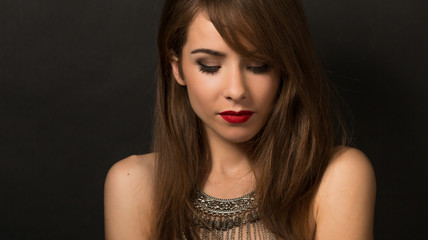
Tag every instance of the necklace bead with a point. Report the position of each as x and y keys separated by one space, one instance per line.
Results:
x=222 y=217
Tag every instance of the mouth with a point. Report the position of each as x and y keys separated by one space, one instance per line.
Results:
x=236 y=117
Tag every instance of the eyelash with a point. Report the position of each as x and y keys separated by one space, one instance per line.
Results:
x=259 y=69
x=208 y=69
x=213 y=69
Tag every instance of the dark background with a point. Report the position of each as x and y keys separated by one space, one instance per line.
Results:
x=76 y=95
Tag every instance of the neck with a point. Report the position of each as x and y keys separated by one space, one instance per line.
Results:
x=231 y=175
x=228 y=158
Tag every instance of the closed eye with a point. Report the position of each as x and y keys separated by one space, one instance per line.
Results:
x=259 y=69
x=208 y=69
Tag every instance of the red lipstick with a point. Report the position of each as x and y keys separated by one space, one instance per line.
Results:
x=236 y=117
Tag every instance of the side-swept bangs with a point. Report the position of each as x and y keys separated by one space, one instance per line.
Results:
x=244 y=26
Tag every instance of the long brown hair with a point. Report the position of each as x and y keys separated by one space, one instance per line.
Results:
x=291 y=152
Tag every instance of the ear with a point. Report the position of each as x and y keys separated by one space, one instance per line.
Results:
x=176 y=71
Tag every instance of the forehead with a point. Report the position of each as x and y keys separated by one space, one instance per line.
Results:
x=203 y=34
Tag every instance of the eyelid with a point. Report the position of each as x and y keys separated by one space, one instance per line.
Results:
x=206 y=65
x=208 y=69
x=260 y=68
x=258 y=65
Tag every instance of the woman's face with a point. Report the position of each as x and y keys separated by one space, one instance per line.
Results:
x=231 y=94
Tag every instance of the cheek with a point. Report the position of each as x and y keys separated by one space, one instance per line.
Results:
x=202 y=90
x=201 y=96
x=195 y=97
x=265 y=90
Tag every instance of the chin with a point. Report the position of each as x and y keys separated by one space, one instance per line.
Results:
x=239 y=137
x=237 y=134
x=239 y=140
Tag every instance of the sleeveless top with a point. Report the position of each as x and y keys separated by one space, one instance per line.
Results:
x=228 y=219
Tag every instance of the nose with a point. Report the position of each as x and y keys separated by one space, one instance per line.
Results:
x=235 y=85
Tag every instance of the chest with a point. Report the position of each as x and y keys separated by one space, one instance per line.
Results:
x=229 y=219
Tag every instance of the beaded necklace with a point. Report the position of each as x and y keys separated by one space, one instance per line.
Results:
x=229 y=219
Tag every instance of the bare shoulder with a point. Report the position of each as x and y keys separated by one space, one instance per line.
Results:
x=347 y=166
x=132 y=168
x=132 y=175
x=344 y=203
x=128 y=197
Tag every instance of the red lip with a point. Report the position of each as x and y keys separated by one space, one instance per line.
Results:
x=236 y=117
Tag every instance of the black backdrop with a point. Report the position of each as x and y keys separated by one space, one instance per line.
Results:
x=76 y=95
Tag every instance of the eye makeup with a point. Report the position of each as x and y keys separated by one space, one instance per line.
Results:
x=259 y=69
x=207 y=69
x=210 y=69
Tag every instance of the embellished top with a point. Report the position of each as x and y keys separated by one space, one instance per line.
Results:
x=229 y=219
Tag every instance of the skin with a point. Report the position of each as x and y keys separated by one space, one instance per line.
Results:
x=344 y=204
x=234 y=86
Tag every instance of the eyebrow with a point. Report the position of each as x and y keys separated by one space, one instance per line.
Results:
x=208 y=51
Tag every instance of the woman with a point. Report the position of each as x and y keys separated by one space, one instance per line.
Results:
x=245 y=145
